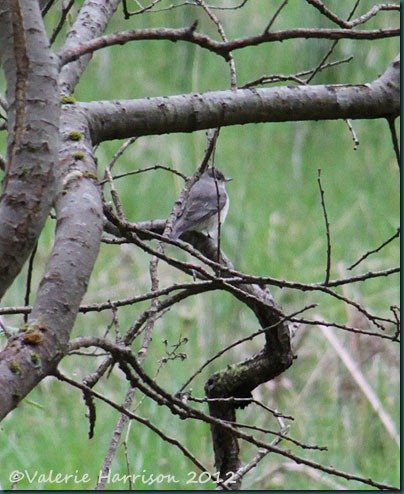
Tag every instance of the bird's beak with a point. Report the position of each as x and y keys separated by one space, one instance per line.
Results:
x=228 y=179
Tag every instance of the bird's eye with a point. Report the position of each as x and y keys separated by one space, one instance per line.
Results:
x=218 y=174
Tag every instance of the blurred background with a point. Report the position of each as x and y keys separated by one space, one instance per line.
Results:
x=275 y=227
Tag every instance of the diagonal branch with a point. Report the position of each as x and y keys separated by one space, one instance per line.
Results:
x=34 y=352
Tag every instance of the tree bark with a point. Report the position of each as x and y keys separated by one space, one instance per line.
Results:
x=188 y=113
x=33 y=126
x=51 y=162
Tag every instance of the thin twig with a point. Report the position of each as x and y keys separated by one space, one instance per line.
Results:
x=360 y=20
x=114 y=194
x=46 y=7
x=29 y=279
x=59 y=26
x=128 y=14
x=277 y=12
x=394 y=138
x=146 y=169
x=133 y=416
x=239 y=342
x=353 y=134
x=327 y=229
x=236 y=401
x=116 y=437
x=333 y=45
x=120 y=152
x=219 y=25
x=280 y=435
x=179 y=407
x=370 y=252
x=344 y=327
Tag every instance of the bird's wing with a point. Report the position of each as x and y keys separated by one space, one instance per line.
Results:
x=198 y=209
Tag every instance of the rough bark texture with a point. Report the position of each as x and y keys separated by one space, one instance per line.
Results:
x=51 y=162
x=33 y=125
x=125 y=118
x=36 y=350
x=240 y=379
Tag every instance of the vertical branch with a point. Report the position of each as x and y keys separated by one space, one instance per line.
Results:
x=113 y=445
x=212 y=148
x=130 y=395
x=396 y=146
x=327 y=229
x=29 y=280
x=30 y=70
x=233 y=75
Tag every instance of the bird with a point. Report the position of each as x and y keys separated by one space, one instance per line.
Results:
x=206 y=205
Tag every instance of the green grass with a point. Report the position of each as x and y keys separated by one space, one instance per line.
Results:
x=275 y=227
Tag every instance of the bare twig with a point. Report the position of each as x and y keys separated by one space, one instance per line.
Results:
x=267 y=79
x=345 y=327
x=5 y=330
x=360 y=20
x=277 y=12
x=373 y=251
x=394 y=138
x=149 y=7
x=333 y=45
x=219 y=25
x=114 y=194
x=327 y=229
x=312 y=473
x=353 y=134
x=65 y=11
x=133 y=416
x=29 y=279
x=147 y=169
x=120 y=152
x=236 y=343
x=221 y=48
x=235 y=401
x=46 y=7
x=179 y=407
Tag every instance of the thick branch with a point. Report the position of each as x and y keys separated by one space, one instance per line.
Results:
x=187 y=113
x=32 y=133
x=37 y=349
x=91 y=22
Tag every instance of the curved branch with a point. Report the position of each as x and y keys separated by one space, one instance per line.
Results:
x=187 y=113
x=360 y=20
x=180 y=407
x=222 y=48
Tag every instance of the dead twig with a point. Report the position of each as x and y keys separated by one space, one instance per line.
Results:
x=327 y=229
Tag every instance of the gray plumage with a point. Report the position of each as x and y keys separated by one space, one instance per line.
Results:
x=201 y=209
